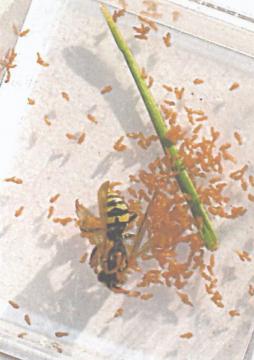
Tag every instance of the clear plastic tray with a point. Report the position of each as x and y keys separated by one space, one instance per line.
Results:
x=40 y=268
x=12 y=13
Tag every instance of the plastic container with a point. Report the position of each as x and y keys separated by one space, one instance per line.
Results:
x=40 y=267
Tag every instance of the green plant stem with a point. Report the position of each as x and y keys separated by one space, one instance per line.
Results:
x=185 y=183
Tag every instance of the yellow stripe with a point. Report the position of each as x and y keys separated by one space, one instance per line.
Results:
x=114 y=194
x=111 y=220
x=122 y=219
x=121 y=206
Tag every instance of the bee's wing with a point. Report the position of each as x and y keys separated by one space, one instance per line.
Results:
x=81 y=211
x=86 y=220
x=102 y=201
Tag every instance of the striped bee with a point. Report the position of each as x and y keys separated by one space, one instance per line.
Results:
x=118 y=216
x=109 y=257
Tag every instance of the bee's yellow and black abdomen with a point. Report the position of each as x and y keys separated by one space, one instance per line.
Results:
x=117 y=210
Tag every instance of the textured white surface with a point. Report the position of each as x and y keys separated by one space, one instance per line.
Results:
x=244 y=7
x=11 y=12
x=40 y=266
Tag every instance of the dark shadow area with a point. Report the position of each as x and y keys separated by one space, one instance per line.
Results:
x=91 y=68
x=71 y=304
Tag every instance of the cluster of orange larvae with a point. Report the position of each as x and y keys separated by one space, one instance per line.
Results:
x=169 y=221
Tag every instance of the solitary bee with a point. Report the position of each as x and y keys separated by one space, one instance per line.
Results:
x=109 y=257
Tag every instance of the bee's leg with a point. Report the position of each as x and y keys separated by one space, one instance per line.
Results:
x=112 y=282
x=128 y=236
x=90 y=230
x=93 y=262
x=133 y=216
x=117 y=259
x=141 y=231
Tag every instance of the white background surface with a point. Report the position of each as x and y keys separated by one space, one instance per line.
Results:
x=242 y=6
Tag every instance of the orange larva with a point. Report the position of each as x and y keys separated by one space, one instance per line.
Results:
x=210 y=270
x=27 y=319
x=40 y=61
x=216 y=296
x=13 y=304
x=153 y=14
x=83 y=258
x=92 y=118
x=184 y=298
x=143 y=195
x=119 y=312
x=186 y=335
x=61 y=333
x=65 y=96
x=143 y=73
x=215 y=179
x=19 y=211
x=132 y=192
x=202 y=118
x=234 y=86
x=244 y=185
x=237 y=211
x=167 y=87
x=197 y=128
x=54 y=198
x=46 y=120
x=57 y=347
x=238 y=138
x=149 y=22
x=169 y=102
x=15 y=29
x=30 y=101
x=24 y=33
x=106 y=89
x=212 y=260
x=20 y=33
x=167 y=39
x=198 y=81
x=141 y=37
x=117 y=14
x=150 y=82
x=197 y=112
x=7 y=63
x=70 y=136
x=50 y=211
x=243 y=255
x=81 y=138
x=174 y=134
x=22 y=334
x=63 y=221
x=133 y=293
x=225 y=146
x=142 y=29
x=238 y=174
x=205 y=276
x=179 y=93
x=251 y=180
x=251 y=290
x=146 y=296
x=209 y=288
x=234 y=313
x=150 y=5
x=119 y=146
x=251 y=197
x=14 y=179
x=175 y=15
x=227 y=156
